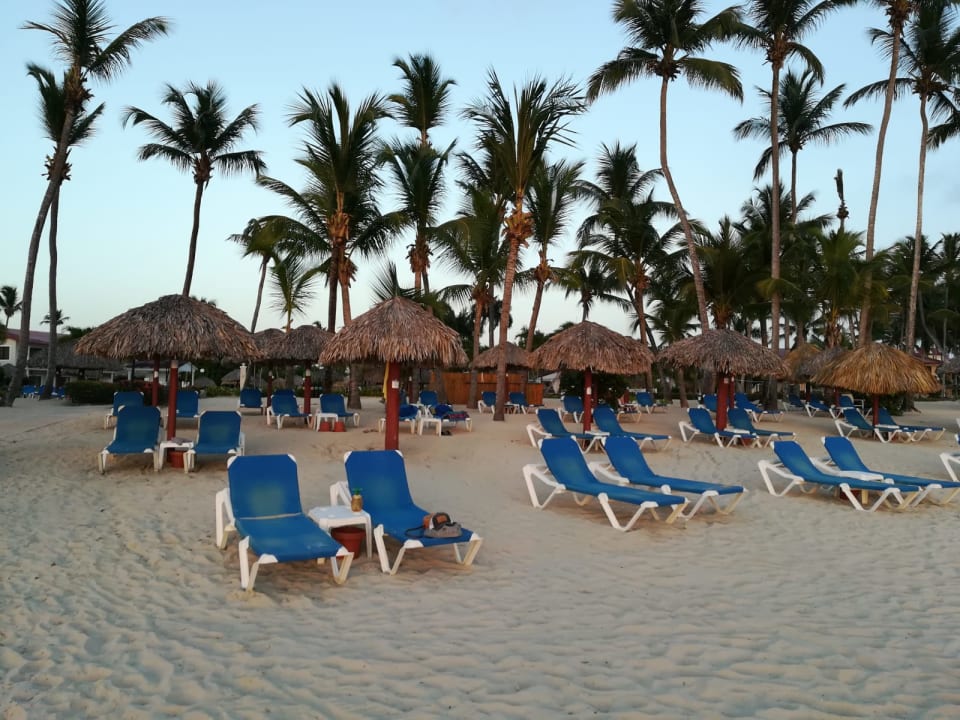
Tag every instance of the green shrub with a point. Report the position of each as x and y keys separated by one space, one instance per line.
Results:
x=609 y=388
x=90 y=392
x=216 y=391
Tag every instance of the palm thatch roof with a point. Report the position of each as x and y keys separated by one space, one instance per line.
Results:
x=303 y=344
x=203 y=382
x=589 y=346
x=878 y=369
x=66 y=357
x=724 y=351
x=795 y=361
x=396 y=330
x=268 y=341
x=815 y=363
x=490 y=358
x=172 y=327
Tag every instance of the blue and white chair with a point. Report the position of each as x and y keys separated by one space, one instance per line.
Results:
x=137 y=433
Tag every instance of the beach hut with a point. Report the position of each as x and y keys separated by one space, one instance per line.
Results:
x=172 y=327
x=725 y=353
x=303 y=345
x=517 y=357
x=394 y=332
x=590 y=348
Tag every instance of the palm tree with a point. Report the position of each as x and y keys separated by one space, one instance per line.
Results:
x=802 y=120
x=516 y=136
x=199 y=140
x=10 y=302
x=668 y=39
x=59 y=319
x=728 y=280
x=292 y=286
x=949 y=269
x=259 y=239
x=673 y=312
x=586 y=277
x=425 y=98
x=80 y=32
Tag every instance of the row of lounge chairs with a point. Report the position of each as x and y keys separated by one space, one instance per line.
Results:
x=188 y=405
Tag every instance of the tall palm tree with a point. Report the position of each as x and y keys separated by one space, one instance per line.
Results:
x=53 y=109
x=949 y=271
x=259 y=239
x=588 y=278
x=199 y=140
x=517 y=135
x=425 y=98
x=802 y=118
x=668 y=39
x=777 y=30
x=292 y=290
x=673 y=312
x=81 y=37
x=10 y=302
x=728 y=280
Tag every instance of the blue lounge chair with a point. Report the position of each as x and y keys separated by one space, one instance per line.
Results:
x=795 y=466
x=814 y=406
x=487 y=401
x=854 y=422
x=566 y=470
x=428 y=399
x=702 y=424
x=551 y=426
x=919 y=432
x=218 y=433
x=446 y=413
x=518 y=402
x=608 y=424
x=646 y=402
x=845 y=457
x=284 y=405
x=262 y=504
x=335 y=404
x=188 y=405
x=137 y=433
x=408 y=414
x=626 y=464
x=29 y=391
x=755 y=412
x=740 y=420
x=121 y=399
x=710 y=403
x=382 y=477
x=251 y=399
x=794 y=403
x=571 y=405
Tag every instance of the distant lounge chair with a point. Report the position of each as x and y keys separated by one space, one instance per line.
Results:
x=646 y=402
x=854 y=422
x=755 y=412
x=740 y=420
x=284 y=406
x=845 y=457
x=251 y=399
x=382 y=476
x=218 y=433
x=518 y=402
x=122 y=398
x=550 y=425
x=795 y=466
x=333 y=403
x=571 y=405
x=566 y=470
x=794 y=403
x=935 y=432
x=446 y=413
x=608 y=424
x=487 y=401
x=262 y=504
x=137 y=433
x=428 y=399
x=702 y=424
x=815 y=406
x=188 y=405
x=626 y=464
x=709 y=401
x=408 y=414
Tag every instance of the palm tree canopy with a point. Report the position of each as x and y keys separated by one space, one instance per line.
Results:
x=425 y=98
x=53 y=108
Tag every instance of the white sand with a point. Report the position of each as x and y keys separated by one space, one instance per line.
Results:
x=116 y=602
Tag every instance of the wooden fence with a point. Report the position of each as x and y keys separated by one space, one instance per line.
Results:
x=457 y=386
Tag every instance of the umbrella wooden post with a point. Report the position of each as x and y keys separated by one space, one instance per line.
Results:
x=307 y=390
x=723 y=397
x=392 y=428
x=587 y=400
x=155 y=386
x=172 y=383
x=876 y=408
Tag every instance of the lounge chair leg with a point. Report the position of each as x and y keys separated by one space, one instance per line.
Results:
x=246 y=581
x=473 y=547
x=223 y=510
x=340 y=569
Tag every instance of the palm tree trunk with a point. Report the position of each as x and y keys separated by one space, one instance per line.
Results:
x=509 y=275
x=865 y=319
x=918 y=232
x=256 y=307
x=684 y=222
x=473 y=394
x=793 y=188
x=191 y=257
x=775 y=208
x=50 y=379
x=56 y=172
x=534 y=316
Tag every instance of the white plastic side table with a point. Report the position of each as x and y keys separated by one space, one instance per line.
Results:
x=174 y=444
x=329 y=417
x=333 y=516
x=429 y=420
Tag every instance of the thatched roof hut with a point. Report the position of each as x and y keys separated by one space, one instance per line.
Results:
x=815 y=363
x=268 y=342
x=397 y=330
x=303 y=344
x=172 y=327
x=516 y=357
x=878 y=369
x=724 y=351
x=589 y=346
x=795 y=361
x=66 y=356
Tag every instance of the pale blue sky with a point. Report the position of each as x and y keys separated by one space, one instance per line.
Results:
x=125 y=225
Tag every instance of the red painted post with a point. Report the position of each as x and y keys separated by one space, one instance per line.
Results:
x=723 y=395
x=173 y=382
x=392 y=429
x=307 y=390
x=587 y=400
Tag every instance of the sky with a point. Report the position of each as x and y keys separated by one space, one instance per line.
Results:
x=125 y=224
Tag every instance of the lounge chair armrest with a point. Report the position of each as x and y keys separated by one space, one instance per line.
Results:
x=950 y=460
x=684 y=428
x=768 y=468
x=535 y=433
x=844 y=428
x=533 y=472
x=340 y=493
x=604 y=470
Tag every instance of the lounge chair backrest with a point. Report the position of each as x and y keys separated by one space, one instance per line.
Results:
x=251 y=397
x=846 y=401
x=885 y=418
x=489 y=398
x=441 y=411
x=285 y=391
x=572 y=404
x=710 y=402
x=333 y=403
x=739 y=419
x=126 y=398
x=284 y=404
x=606 y=420
x=264 y=486
x=188 y=402
x=855 y=418
x=644 y=398
x=843 y=454
x=551 y=422
x=565 y=461
x=701 y=420
x=381 y=477
x=518 y=398
x=219 y=427
x=408 y=412
x=137 y=424
x=795 y=459
x=627 y=457
x=429 y=398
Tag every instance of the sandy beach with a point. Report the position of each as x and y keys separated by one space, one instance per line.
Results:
x=117 y=603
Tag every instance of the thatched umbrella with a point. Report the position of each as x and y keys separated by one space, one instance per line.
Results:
x=516 y=357
x=812 y=365
x=268 y=342
x=395 y=331
x=304 y=345
x=877 y=369
x=172 y=327
x=590 y=347
x=796 y=360
x=726 y=353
